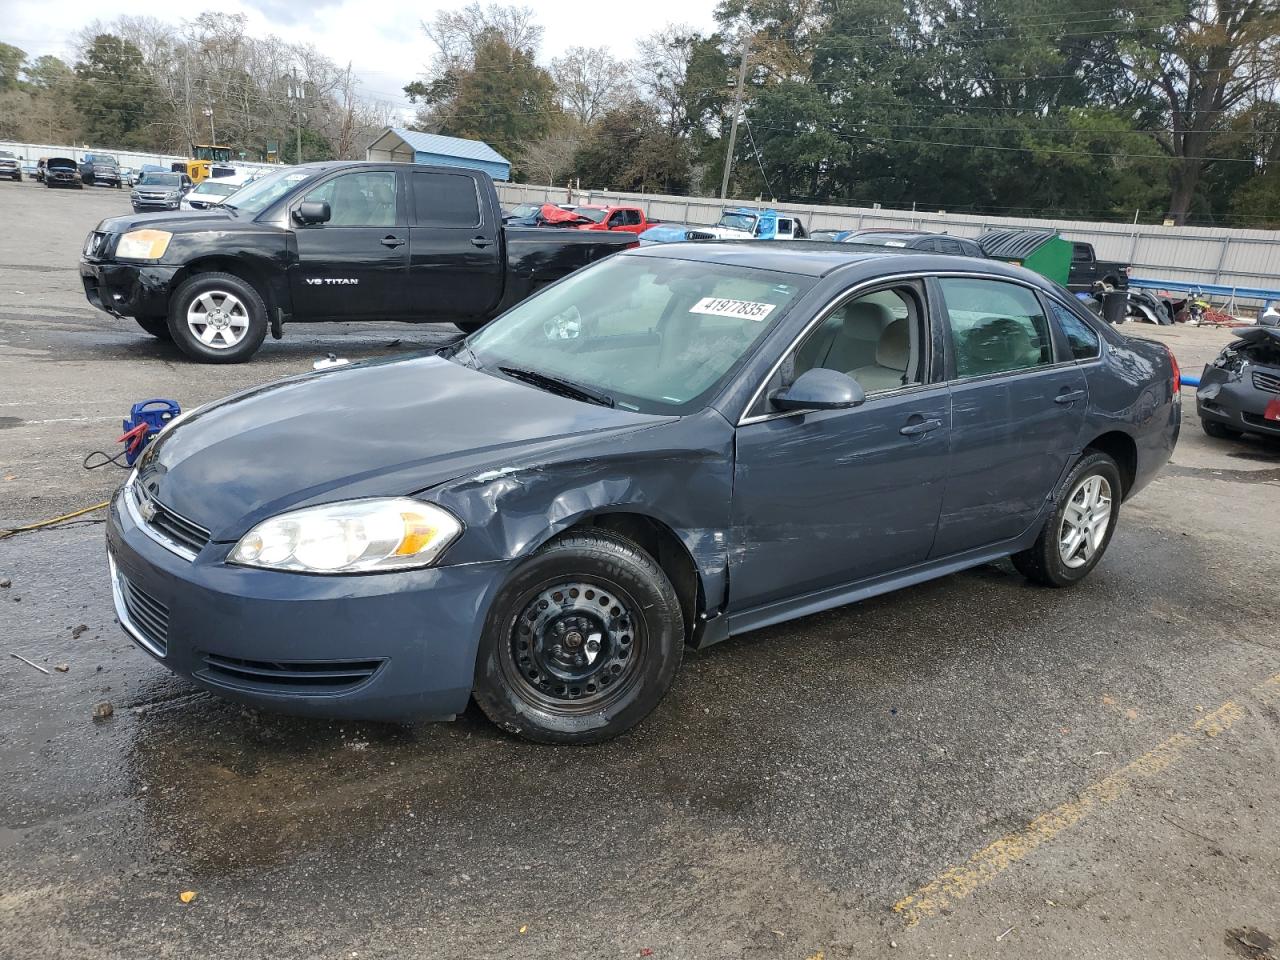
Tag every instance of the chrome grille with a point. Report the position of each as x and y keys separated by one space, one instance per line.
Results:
x=1269 y=382
x=167 y=527
x=143 y=617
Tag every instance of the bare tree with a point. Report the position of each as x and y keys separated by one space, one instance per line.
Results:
x=549 y=159
x=661 y=69
x=457 y=32
x=590 y=81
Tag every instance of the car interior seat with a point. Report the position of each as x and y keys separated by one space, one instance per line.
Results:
x=994 y=345
x=888 y=371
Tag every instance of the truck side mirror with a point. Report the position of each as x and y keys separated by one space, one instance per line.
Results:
x=313 y=211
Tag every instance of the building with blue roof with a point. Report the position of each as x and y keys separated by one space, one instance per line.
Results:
x=396 y=144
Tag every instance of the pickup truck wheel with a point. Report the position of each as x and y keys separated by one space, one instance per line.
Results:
x=1077 y=534
x=158 y=327
x=582 y=643
x=217 y=318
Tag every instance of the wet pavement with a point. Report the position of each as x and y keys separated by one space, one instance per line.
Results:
x=1088 y=773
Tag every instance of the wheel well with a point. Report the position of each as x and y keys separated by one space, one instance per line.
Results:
x=1120 y=448
x=233 y=266
x=660 y=542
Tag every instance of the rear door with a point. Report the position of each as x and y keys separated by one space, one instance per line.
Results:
x=1018 y=408
x=355 y=265
x=455 y=258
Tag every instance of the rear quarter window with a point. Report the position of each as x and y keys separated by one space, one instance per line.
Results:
x=1084 y=339
x=445 y=200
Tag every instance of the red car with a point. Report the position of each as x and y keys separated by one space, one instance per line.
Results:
x=628 y=219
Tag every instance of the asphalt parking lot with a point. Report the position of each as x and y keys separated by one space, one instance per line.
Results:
x=969 y=768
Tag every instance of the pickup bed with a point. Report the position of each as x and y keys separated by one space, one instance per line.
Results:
x=1087 y=269
x=326 y=241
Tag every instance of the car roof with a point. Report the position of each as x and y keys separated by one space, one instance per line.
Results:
x=818 y=259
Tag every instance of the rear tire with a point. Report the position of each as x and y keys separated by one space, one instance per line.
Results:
x=217 y=318
x=582 y=642
x=1219 y=431
x=1060 y=558
x=158 y=327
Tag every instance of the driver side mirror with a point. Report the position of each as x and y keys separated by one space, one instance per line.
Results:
x=313 y=211
x=821 y=389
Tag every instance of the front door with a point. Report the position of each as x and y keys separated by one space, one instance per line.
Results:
x=456 y=261
x=832 y=497
x=354 y=266
x=1017 y=412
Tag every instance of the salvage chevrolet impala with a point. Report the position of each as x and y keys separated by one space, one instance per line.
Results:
x=676 y=445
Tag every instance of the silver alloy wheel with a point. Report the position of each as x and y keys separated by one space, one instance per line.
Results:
x=1085 y=521
x=218 y=319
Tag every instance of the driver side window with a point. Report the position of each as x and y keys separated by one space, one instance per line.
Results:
x=365 y=199
x=876 y=338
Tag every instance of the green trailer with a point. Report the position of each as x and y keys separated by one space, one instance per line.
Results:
x=1045 y=253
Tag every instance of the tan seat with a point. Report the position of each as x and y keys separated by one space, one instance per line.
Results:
x=892 y=357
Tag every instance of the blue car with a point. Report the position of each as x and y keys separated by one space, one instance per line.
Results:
x=675 y=445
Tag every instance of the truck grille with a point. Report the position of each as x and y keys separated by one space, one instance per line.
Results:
x=301 y=676
x=1269 y=382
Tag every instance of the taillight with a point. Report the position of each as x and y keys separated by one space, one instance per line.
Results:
x=1177 y=374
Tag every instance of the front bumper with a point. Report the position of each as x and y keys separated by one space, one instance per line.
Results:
x=1231 y=399
x=388 y=647
x=128 y=289
x=140 y=205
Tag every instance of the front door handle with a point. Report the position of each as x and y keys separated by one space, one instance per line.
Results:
x=920 y=427
x=1070 y=396
x=392 y=242
x=481 y=242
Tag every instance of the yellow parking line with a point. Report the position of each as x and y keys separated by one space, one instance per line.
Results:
x=955 y=883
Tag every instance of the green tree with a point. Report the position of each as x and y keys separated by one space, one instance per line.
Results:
x=632 y=150
x=114 y=94
x=11 y=61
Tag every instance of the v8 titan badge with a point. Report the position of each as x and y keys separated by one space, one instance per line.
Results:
x=332 y=281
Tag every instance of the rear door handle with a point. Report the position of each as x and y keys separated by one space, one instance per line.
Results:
x=481 y=242
x=392 y=242
x=1071 y=396
x=919 y=428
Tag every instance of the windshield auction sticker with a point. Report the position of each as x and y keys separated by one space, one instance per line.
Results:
x=742 y=309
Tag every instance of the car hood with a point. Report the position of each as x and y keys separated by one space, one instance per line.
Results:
x=175 y=221
x=381 y=428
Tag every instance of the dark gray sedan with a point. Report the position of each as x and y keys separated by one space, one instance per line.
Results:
x=1239 y=391
x=677 y=445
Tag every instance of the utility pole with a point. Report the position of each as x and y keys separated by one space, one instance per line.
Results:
x=737 y=109
x=295 y=92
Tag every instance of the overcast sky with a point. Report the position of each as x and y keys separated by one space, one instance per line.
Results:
x=382 y=40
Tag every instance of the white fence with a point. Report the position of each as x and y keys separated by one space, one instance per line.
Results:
x=126 y=158
x=1235 y=258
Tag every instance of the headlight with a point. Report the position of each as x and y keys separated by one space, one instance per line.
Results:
x=358 y=536
x=144 y=244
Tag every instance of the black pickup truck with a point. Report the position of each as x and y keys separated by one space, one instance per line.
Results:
x=1087 y=269
x=327 y=241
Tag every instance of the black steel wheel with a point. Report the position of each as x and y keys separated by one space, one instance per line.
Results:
x=582 y=643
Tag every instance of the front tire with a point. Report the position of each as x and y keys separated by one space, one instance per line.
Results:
x=217 y=318
x=1077 y=534
x=582 y=643
x=1219 y=431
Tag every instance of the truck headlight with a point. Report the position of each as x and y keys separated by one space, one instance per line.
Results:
x=144 y=244
x=356 y=536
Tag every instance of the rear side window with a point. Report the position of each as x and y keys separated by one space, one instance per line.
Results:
x=1084 y=340
x=445 y=200
x=1081 y=251
x=995 y=326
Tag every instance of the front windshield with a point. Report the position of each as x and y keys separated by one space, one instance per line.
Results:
x=655 y=335
x=255 y=197
x=161 y=179
x=738 y=221
x=595 y=216
x=523 y=210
